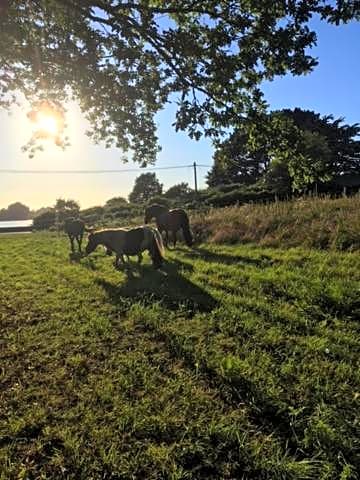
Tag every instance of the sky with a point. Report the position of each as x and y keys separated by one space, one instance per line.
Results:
x=332 y=88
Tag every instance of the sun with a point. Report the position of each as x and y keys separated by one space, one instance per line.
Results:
x=47 y=124
x=48 y=121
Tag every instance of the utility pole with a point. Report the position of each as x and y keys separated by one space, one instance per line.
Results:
x=195 y=178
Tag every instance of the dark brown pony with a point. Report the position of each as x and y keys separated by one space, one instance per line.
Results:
x=75 y=229
x=170 y=221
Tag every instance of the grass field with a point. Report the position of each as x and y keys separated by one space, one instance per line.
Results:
x=234 y=362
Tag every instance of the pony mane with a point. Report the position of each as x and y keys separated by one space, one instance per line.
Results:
x=155 y=245
x=157 y=206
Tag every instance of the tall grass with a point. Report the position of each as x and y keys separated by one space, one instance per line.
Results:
x=311 y=222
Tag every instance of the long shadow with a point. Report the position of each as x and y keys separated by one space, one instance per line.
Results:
x=202 y=253
x=168 y=286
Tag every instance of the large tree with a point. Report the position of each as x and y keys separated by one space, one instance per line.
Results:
x=146 y=187
x=291 y=149
x=180 y=191
x=235 y=162
x=123 y=60
x=66 y=209
x=340 y=141
x=312 y=148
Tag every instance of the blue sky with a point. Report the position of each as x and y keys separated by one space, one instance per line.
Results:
x=333 y=88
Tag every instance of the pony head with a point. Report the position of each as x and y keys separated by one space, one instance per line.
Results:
x=92 y=243
x=153 y=211
x=148 y=215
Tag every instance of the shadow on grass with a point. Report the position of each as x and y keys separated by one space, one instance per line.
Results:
x=75 y=256
x=203 y=254
x=168 y=286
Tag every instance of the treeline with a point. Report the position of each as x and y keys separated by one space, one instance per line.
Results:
x=118 y=210
x=15 y=211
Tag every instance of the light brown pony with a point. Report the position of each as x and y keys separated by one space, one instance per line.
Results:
x=170 y=221
x=129 y=242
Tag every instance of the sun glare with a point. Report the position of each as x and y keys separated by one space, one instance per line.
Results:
x=47 y=124
x=48 y=121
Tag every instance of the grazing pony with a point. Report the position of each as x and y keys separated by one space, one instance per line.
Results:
x=129 y=242
x=75 y=230
x=170 y=220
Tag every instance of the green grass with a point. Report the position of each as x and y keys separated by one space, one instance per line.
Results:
x=313 y=222
x=235 y=362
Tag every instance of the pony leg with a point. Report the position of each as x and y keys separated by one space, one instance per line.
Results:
x=71 y=243
x=79 y=239
x=174 y=238
x=140 y=258
x=117 y=259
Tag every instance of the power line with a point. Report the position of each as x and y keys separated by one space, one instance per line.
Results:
x=96 y=172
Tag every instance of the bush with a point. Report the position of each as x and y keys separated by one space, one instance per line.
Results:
x=227 y=195
x=45 y=220
x=160 y=200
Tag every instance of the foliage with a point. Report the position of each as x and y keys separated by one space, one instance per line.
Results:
x=241 y=362
x=116 y=202
x=55 y=216
x=180 y=192
x=122 y=61
x=291 y=150
x=315 y=149
x=146 y=186
x=15 y=211
x=66 y=209
x=235 y=162
x=39 y=211
x=231 y=194
x=44 y=220
x=92 y=215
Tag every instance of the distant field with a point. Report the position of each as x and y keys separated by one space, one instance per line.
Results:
x=236 y=362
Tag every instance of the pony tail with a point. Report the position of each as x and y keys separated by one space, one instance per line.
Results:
x=157 y=248
x=186 y=231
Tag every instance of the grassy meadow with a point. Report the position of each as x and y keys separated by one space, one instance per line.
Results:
x=233 y=362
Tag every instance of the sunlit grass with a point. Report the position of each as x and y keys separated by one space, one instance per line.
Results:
x=232 y=362
x=322 y=223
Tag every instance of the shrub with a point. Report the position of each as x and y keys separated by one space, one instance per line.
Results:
x=45 y=220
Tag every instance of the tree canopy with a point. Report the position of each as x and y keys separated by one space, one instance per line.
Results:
x=123 y=60
x=15 y=211
x=146 y=187
x=179 y=191
x=291 y=148
x=235 y=162
x=66 y=209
